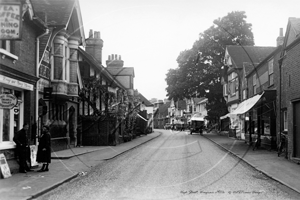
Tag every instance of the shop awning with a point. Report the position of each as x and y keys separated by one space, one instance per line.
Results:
x=225 y=116
x=197 y=117
x=246 y=105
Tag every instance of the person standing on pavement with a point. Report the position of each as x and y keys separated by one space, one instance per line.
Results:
x=21 y=141
x=44 y=149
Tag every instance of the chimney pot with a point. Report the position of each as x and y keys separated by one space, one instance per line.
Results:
x=116 y=56
x=281 y=32
x=91 y=33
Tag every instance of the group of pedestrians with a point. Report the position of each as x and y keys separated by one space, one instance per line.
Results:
x=43 y=153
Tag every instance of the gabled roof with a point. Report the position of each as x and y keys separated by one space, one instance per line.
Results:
x=292 y=32
x=94 y=62
x=198 y=100
x=146 y=102
x=59 y=13
x=121 y=71
x=249 y=69
x=163 y=109
x=203 y=100
x=240 y=54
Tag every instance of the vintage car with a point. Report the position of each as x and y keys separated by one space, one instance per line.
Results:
x=197 y=124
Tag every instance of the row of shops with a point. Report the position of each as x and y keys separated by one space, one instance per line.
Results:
x=253 y=118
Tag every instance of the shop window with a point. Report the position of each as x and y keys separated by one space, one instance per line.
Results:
x=271 y=72
x=10 y=120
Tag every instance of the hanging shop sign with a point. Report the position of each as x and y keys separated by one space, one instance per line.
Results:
x=10 y=21
x=8 y=101
x=5 y=171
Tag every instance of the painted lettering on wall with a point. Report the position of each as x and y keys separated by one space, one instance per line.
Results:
x=10 y=21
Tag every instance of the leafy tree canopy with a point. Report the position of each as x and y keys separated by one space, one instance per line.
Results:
x=199 y=68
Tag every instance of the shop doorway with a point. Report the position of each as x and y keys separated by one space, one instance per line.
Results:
x=71 y=125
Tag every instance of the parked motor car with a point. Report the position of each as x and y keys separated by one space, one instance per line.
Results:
x=196 y=126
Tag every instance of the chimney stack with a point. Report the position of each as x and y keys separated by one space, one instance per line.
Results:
x=94 y=45
x=280 y=38
x=114 y=61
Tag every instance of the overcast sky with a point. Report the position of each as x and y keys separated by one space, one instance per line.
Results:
x=150 y=34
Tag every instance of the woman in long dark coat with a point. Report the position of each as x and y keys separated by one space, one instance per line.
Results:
x=44 y=149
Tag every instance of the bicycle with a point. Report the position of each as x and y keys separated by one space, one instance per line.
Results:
x=282 y=147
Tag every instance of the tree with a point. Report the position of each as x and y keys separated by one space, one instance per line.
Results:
x=200 y=68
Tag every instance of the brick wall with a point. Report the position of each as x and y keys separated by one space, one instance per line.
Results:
x=291 y=88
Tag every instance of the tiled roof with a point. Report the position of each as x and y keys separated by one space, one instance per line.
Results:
x=93 y=61
x=163 y=109
x=197 y=100
x=146 y=101
x=248 y=68
x=239 y=54
x=293 y=31
x=124 y=71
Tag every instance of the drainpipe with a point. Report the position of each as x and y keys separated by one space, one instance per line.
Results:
x=37 y=75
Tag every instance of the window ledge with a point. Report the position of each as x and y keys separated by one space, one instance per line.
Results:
x=7 y=145
x=6 y=53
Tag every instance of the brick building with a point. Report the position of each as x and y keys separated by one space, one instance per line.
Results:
x=239 y=61
x=288 y=118
x=58 y=68
x=18 y=76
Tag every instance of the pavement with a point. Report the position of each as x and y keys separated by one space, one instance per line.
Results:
x=67 y=165
x=263 y=160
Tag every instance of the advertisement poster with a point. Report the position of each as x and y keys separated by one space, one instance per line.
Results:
x=5 y=171
x=33 y=152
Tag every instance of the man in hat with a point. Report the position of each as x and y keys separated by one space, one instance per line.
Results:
x=21 y=141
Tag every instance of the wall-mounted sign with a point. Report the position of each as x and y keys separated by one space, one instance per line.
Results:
x=8 y=101
x=5 y=171
x=10 y=21
x=16 y=83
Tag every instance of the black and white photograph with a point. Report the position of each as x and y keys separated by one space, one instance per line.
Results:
x=149 y=100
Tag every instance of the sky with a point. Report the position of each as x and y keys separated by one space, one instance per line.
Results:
x=150 y=34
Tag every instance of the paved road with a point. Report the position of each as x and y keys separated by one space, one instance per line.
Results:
x=174 y=166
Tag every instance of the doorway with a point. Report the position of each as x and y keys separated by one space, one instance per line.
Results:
x=296 y=129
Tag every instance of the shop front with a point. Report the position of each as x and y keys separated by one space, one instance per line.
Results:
x=260 y=120
x=16 y=108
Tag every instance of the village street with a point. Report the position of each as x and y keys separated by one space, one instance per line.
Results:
x=175 y=165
